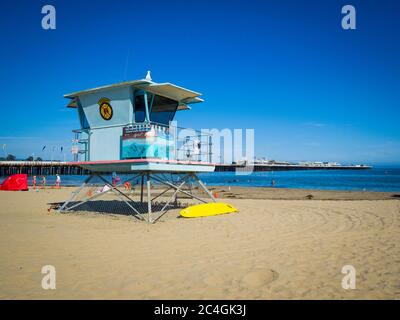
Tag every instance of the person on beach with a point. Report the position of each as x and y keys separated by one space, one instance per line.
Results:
x=34 y=182
x=58 y=181
x=44 y=182
x=128 y=186
x=114 y=179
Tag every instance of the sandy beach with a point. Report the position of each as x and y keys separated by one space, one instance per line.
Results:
x=283 y=244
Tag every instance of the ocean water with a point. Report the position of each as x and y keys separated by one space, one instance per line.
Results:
x=376 y=179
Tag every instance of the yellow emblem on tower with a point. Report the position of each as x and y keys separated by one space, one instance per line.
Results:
x=106 y=111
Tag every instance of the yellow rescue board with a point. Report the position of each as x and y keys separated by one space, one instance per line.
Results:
x=207 y=209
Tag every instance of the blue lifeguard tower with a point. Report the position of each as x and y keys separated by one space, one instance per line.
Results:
x=128 y=129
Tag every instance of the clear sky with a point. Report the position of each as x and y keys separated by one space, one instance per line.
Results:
x=311 y=90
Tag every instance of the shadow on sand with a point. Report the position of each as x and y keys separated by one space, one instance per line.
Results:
x=116 y=207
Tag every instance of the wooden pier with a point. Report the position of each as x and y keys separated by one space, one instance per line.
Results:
x=284 y=167
x=67 y=168
x=40 y=168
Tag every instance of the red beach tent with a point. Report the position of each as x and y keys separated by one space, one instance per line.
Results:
x=16 y=182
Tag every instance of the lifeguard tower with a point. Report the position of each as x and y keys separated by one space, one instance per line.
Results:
x=128 y=130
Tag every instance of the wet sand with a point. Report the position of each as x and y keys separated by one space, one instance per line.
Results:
x=281 y=245
x=300 y=194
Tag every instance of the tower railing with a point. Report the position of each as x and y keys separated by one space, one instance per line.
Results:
x=153 y=140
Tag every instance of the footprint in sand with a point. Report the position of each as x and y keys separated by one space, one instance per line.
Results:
x=259 y=277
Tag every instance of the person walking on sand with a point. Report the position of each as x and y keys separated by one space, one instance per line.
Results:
x=44 y=182
x=34 y=182
x=58 y=181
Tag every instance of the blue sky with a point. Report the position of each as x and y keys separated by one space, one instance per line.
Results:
x=311 y=90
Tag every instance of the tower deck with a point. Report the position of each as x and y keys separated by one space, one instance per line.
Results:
x=145 y=165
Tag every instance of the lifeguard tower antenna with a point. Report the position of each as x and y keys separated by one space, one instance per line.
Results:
x=127 y=129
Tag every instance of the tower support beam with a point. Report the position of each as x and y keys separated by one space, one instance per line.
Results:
x=140 y=208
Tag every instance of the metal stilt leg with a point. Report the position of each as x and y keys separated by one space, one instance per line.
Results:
x=163 y=210
x=141 y=188
x=182 y=191
x=149 y=198
x=74 y=194
x=201 y=184
x=121 y=195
